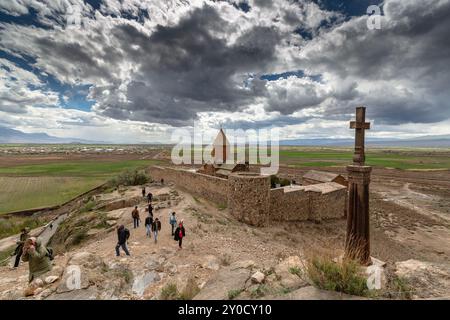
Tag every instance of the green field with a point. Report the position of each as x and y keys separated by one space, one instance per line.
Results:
x=34 y=186
x=406 y=159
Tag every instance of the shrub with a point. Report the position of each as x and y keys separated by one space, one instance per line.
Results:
x=129 y=178
x=169 y=292
x=274 y=180
x=190 y=291
x=341 y=276
x=234 y=293
x=259 y=291
x=225 y=259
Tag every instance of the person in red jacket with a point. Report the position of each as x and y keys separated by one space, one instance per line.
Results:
x=180 y=233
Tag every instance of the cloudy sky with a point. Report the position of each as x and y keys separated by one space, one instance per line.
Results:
x=133 y=70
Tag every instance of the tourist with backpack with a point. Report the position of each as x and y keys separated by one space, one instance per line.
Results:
x=180 y=233
x=135 y=216
x=38 y=258
x=173 y=221
x=123 y=234
x=149 y=197
x=148 y=225
x=24 y=235
x=156 y=227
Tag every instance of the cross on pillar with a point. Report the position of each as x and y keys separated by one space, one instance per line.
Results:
x=357 y=244
x=360 y=126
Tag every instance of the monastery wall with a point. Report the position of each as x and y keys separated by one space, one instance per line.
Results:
x=209 y=187
x=250 y=199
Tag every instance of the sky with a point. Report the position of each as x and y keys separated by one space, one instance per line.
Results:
x=132 y=71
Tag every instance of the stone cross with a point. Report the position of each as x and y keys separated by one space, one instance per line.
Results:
x=360 y=126
x=357 y=244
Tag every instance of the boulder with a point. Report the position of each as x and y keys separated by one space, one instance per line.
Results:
x=284 y=273
x=51 y=279
x=258 y=277
x=211 y=262
x=143 y=280
x=429 y=280
x=227 y=279
x=243 y=264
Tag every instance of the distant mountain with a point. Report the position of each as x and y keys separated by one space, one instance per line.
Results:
x=8 y=135
x=441 y=141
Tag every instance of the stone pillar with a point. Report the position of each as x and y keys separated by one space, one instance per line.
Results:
x=248 y=197
x=357 y=244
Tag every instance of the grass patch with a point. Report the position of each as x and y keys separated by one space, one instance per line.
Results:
x=190 y=290
x=259 y=291
x=169 y=292
x=296 y=271
x=13 y=225
x=221 y=206
x=398 y=288
x=232 y=294
x=344 y=276
x=5 y=255
x=41 y=185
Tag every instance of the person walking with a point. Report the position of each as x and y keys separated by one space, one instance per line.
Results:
x=148 y=225
x=180 y=233
x=143 y=192
x=149 y=197
x=136 y=218
x=24 y=235
x=37 y=256
x=156 y=227
x=150 y=209
x=123 y=234
x=173 y=221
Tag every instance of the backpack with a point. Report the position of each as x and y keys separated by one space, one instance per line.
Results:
x=50 y=253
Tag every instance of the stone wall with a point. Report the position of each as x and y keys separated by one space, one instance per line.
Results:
x=248 y=197
x=208 y=187
x=289 y=204
x=315 y=202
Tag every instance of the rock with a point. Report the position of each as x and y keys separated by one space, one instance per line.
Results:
x=227 y=279
x=284 y=273
x=244 y=264
x=86 y=259
x=258 y=277
x=111 y=222
x=115 y=215
x=170 y=268
x=86 y=294
x=312 y=293
x=142 y=281
x=73 y=279
x=51 y=279
x=211 y=262
x=152 y=264
x=430 y=280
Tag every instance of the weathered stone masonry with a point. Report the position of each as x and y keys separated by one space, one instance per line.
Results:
x=250 y=199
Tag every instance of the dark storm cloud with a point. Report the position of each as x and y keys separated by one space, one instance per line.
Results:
x=186 y=69
x=408 y=61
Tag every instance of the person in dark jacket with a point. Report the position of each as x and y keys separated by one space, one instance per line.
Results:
x=135 y=216
x=123 y=234
x=148 y=225
x=150 y=197
x=156 y=227
x=24 y=235
x=150 y=209
x=180 y=233
x=143 y=192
